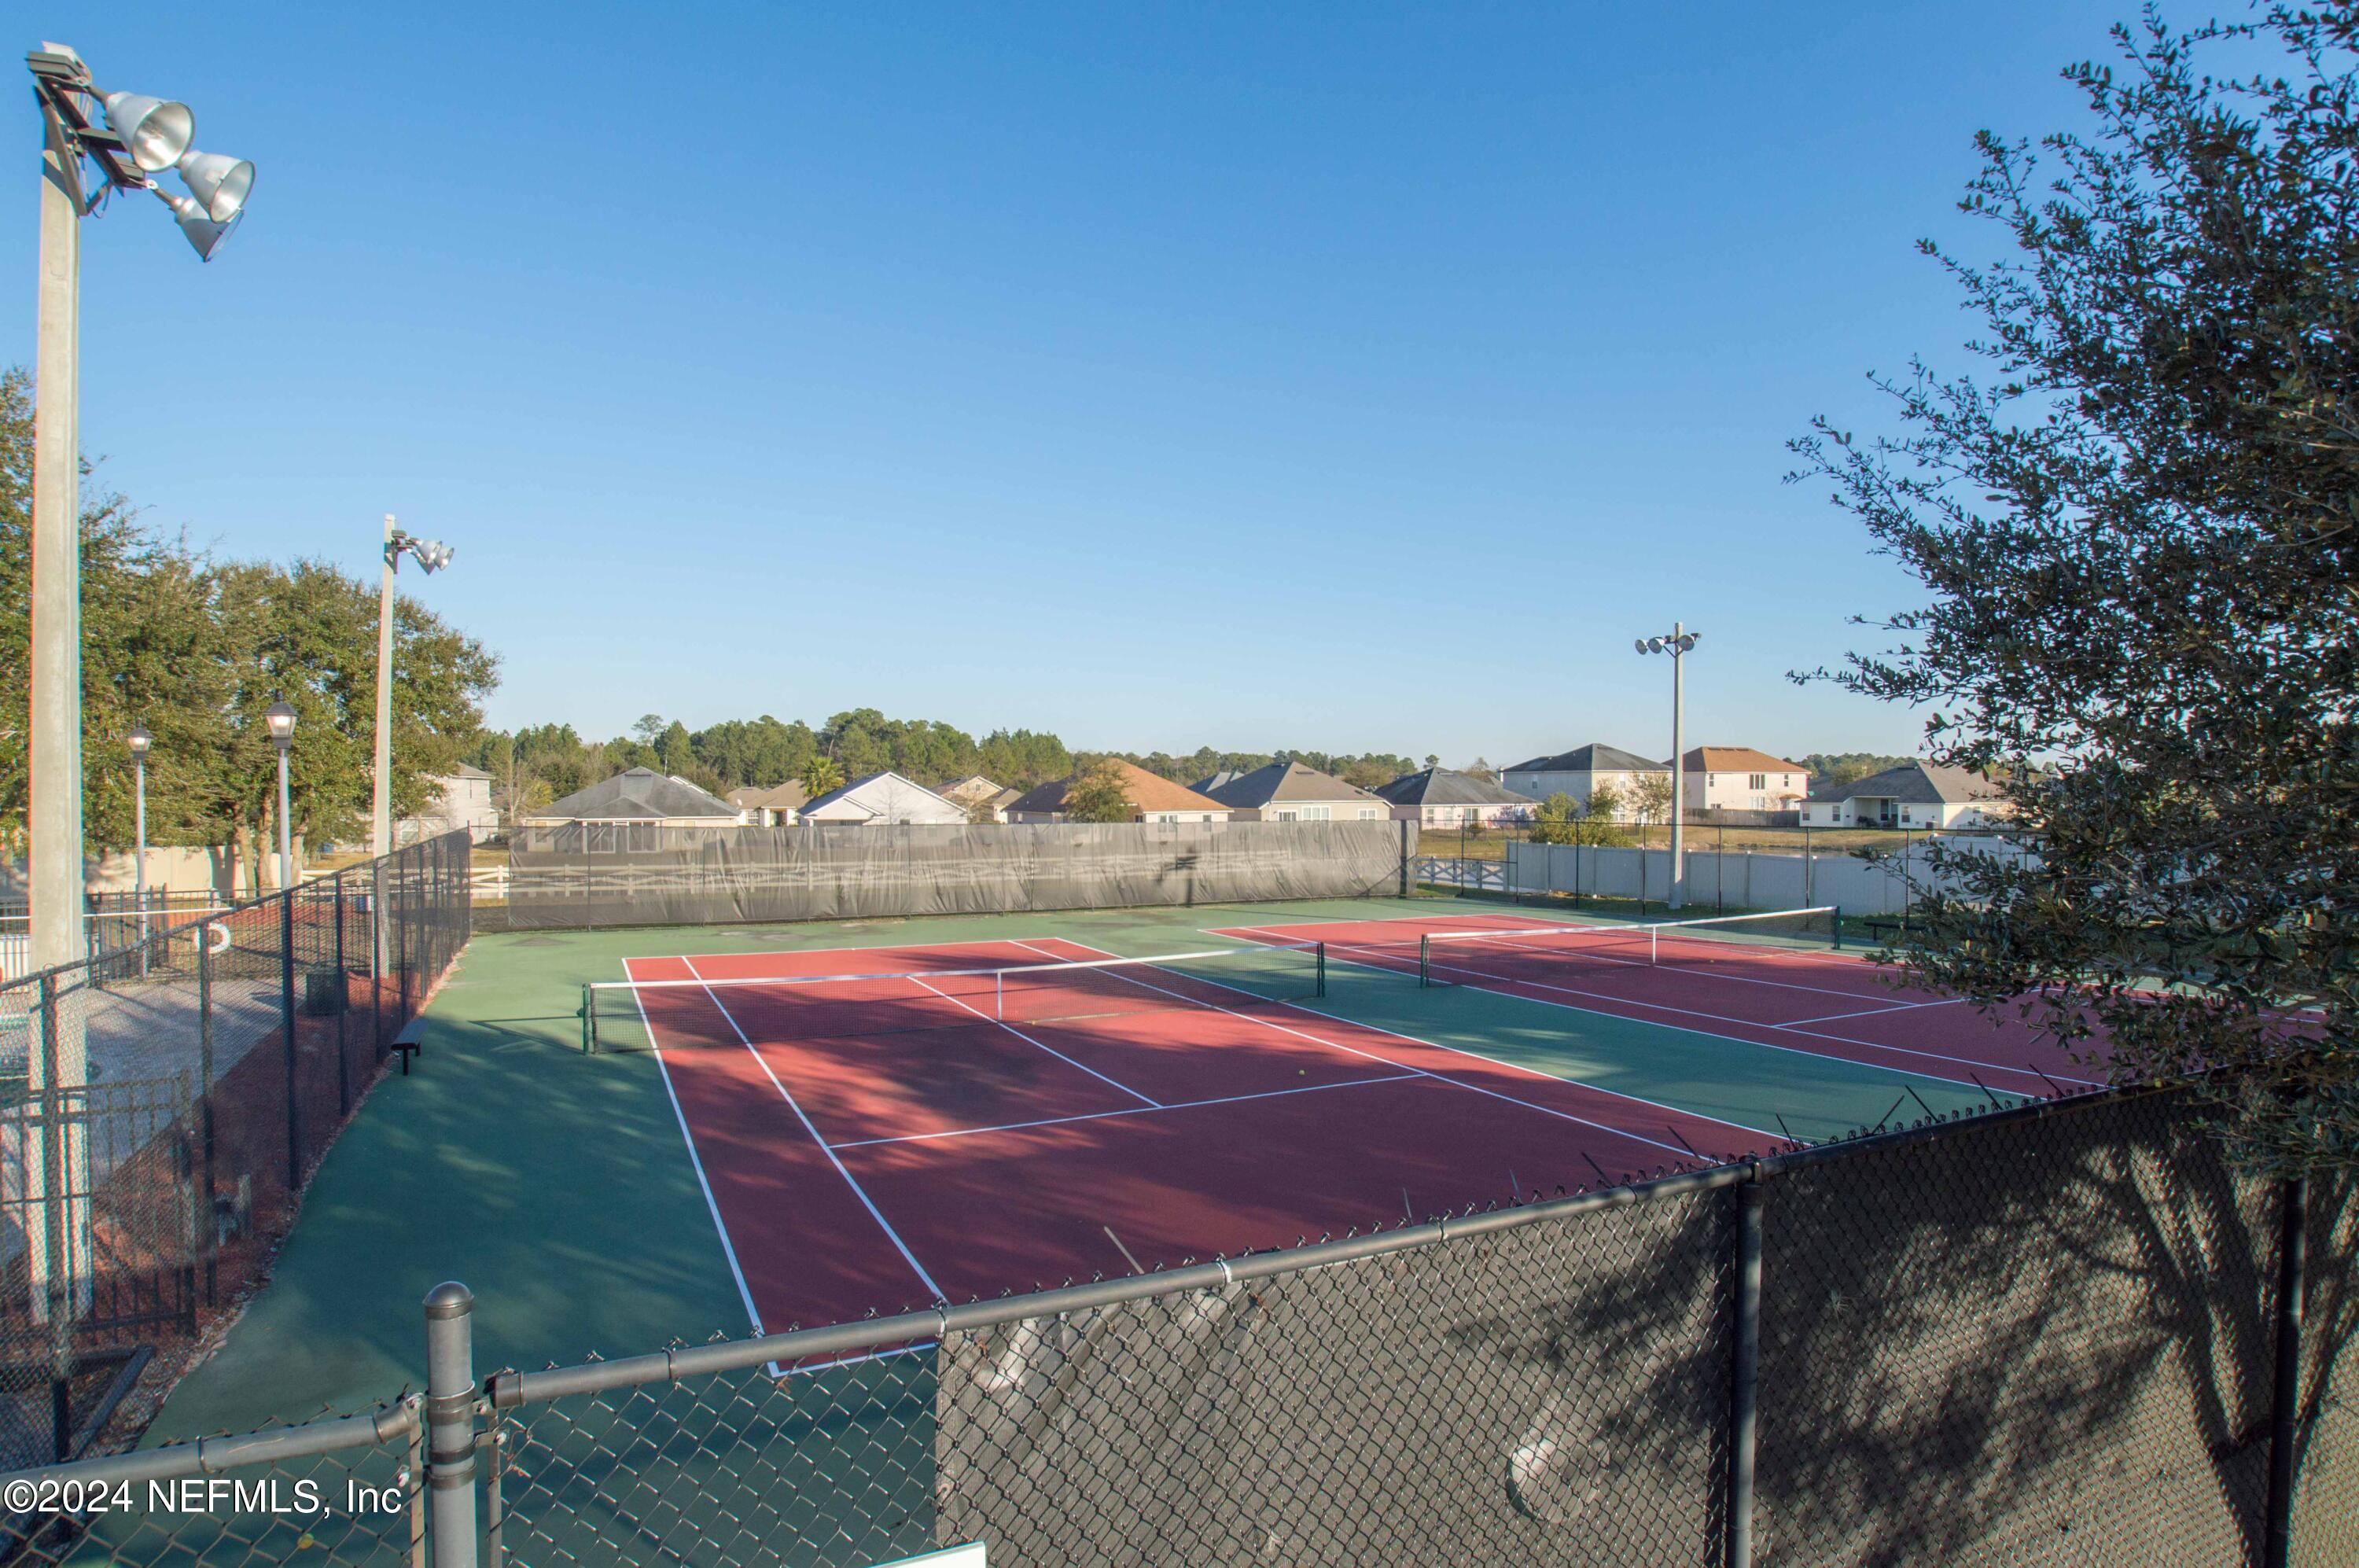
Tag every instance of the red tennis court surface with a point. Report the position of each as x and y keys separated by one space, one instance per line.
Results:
x=957 y=1156
x=1786 y=994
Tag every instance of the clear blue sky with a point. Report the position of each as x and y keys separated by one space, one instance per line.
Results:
x=1345 y=376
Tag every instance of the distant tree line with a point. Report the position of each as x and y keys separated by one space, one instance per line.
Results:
x=195 y=648
x=1848 y=766
x=541 y=763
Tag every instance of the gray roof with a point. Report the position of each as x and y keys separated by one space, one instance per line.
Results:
x=466 y=771
x=818 y=802
x=1916 y=783
x=1440 y=787
x=640 y=794
x=1594 y=757
x=1274 y=784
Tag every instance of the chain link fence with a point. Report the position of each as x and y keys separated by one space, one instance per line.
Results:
x=2065 y=1332
x=162 y=1103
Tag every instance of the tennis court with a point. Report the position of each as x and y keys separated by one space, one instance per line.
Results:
x=882 y=1127
x=1776 y=981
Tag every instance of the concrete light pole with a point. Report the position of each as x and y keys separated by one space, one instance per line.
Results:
x=432 y=555
x=127 y=138
x=1678 y=645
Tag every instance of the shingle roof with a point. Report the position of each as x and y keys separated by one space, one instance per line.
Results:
x=1594 y=757
x=465 y=771
x=1917 y=783
x=1277 y=782
x=1736 y=759
x=1440 y=787
x=639 y=794
x=966 y=791
x=1147 y=792
x=787 y=797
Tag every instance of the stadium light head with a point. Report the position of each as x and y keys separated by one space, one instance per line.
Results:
x=432 y=555
x=1687 y=643
x=204 y=232
x=1642 y=644
x=138 y=740
x=154 y=131
x=218 y=181
x=281 y=719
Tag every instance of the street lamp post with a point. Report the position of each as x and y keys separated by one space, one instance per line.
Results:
x=126 y=139
x=1679 y=645
x=432 y=555
x=139 y=740
x=281 y=719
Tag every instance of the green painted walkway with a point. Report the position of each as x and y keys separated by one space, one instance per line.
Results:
x=559 y=1187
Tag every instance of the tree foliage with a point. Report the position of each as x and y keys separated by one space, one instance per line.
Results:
x=1099 y=794
x=2139 y=540
x=196 y=649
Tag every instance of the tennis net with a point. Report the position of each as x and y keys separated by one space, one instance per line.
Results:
x=1445 y=956
x=645 y=1015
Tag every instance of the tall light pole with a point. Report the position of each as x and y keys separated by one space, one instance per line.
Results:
x=126 y=139
x=281 y=719
x=139 y=741
x=432 y=556
x=1678 y=645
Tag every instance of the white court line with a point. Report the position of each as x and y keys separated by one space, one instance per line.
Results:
x=792 y=952
x=1871 y=1012
x=1027 y=1039
x=695 y=1160
x=857 y=1190
x=1404 y=1077
x=1435 y=1045
x=1968 y=1062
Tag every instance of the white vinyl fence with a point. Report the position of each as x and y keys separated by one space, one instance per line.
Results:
x=1739 y=879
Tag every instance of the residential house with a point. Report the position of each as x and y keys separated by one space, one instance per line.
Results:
x=1582 y=771
x=1739 y=779
x=1152 y=798
x=884 y=800
x=1914 y=795
x=1438 y=798
x=1290 y=792
x=774 y=807
x=630 y=811
x=462 y=799
x=979 y=794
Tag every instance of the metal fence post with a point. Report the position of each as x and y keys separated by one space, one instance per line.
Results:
x=450 y=1424
x=211 y=1219
x=343 y=1000
x=1744 y=1369
x=376 y=958
x=2285 y=1410
x=57 y=1231
x=287 y=1027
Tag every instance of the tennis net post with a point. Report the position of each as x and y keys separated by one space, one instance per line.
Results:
x=1319 y=986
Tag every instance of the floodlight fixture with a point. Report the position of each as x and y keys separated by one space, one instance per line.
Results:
x=219 y=182
x=154 y=131
x=205 y=234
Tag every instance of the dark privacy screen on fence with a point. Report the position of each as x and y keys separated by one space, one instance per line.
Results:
x=619 y=874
